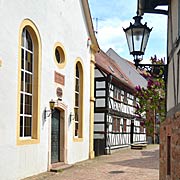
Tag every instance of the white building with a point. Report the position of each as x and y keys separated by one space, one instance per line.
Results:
x=46 y=52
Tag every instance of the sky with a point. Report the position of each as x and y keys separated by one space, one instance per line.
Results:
x=114 y=15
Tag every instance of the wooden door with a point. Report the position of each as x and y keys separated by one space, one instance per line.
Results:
x=55 y=136
x=132 y=131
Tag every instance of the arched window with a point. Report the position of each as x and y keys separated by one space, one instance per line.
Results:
x=26 y=93
x=78 y=108
x=29 y=84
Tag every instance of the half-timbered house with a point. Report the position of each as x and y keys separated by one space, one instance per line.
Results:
x=116 y=124
x=137 y=76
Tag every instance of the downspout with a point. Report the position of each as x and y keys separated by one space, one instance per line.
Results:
x=94 y=48
x=92 y=100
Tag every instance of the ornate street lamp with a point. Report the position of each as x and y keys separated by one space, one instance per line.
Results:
x=137 y=36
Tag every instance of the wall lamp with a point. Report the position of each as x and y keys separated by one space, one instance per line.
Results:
x=72 y=117
x=47 y=113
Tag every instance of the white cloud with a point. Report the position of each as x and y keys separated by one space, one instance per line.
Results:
x=116 y=14
x=111 y=35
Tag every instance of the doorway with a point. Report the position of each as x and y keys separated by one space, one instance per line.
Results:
x=132 y=131
x=55 y=136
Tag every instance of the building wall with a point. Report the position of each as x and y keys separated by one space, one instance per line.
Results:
x=130 y=71
x=170 y=128
x=173 y=54
x=57 y=21
x=113 y=116
x=127 y=108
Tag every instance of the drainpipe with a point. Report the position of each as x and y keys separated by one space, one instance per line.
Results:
x=92 y=100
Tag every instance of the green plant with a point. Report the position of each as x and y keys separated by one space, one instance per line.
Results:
x=152 y=98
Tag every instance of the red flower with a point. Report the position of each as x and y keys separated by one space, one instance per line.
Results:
x=157 y=83
x=150 y=83
x=138 y=88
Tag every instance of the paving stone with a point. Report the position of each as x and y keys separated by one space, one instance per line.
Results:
x=125 y=164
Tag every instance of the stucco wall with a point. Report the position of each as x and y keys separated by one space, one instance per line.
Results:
x=56 y=21
x=173 y=53
x=170 y=128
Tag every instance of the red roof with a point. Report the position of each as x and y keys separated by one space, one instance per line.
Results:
x=108 y=65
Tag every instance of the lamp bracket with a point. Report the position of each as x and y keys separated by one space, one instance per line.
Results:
x=72 y=116
x=158 y=70
x=47 y=113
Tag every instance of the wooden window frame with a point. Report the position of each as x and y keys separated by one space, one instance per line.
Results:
x=35 y=132
x=78 y=108
x=124 y=125
x=125 y=99
x=25 y=91
x=115 y=124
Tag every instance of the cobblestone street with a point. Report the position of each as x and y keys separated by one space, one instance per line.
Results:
x=125 y=164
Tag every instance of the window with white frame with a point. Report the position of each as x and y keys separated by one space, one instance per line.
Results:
x=78 y=101
x=76 y=108
x=26 y=93
x=117 y=94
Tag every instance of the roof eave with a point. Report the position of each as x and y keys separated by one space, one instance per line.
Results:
x=94 y=44
x=148 y=6
x=126 y=85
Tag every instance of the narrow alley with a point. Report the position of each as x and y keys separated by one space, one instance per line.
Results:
x=125 y=164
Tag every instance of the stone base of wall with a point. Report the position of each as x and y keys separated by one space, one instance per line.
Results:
x=170 y=127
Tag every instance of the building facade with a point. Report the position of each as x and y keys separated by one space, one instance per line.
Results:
x=170 y=128
x=133 y=73
x=115 y=122
x=46 y=50
x=139 y=78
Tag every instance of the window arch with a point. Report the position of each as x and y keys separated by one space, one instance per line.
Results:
x=78 y=107
x=29 y=84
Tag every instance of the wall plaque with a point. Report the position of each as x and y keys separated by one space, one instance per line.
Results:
x=59 y=78
x=59 y=92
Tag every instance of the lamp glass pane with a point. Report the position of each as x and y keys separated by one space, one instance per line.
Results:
x=145 y=40
x=129 y=40
x=51 y=104
x=137 y=37
x=27 y=126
